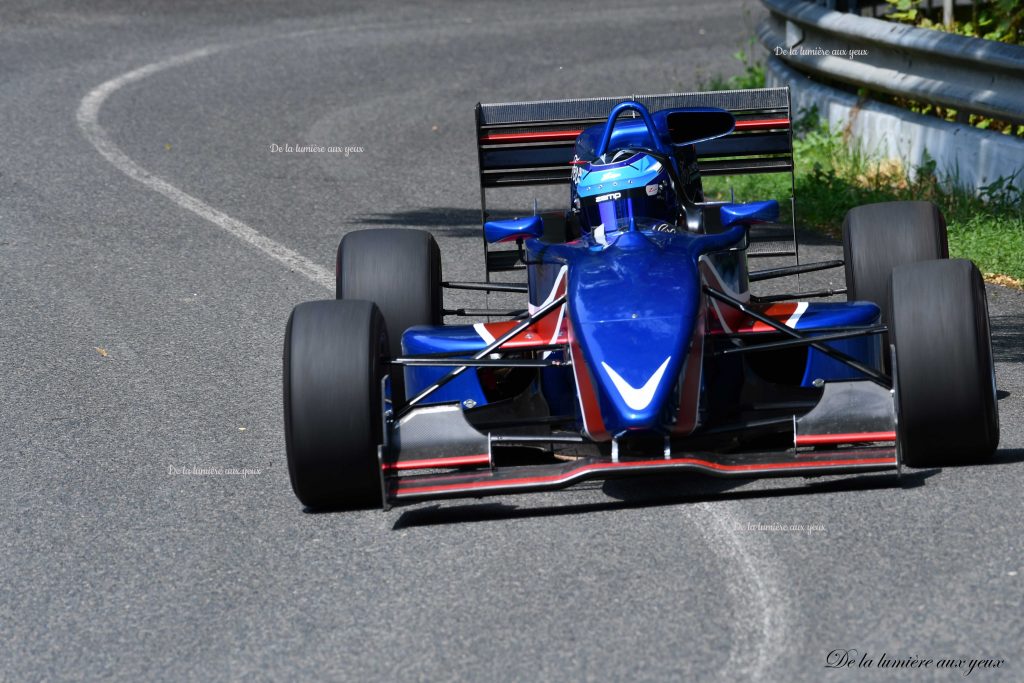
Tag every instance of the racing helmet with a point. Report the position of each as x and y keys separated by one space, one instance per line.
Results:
x=629 y=184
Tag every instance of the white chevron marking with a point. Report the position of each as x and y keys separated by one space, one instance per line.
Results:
x=635 y=398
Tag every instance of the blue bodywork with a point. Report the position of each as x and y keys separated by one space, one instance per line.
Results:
x=636 y=329
x=513 y=229
x=746 y=214
x=462 y=339
x=634 y=289
x=867 y=349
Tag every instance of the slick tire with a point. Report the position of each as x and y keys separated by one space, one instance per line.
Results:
x=945 y=377
x=333 y=366
x=400 y=271
x=880 y=237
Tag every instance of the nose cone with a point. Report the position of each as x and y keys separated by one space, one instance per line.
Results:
x=633 y=309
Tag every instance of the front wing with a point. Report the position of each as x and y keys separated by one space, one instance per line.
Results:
x=488 y=481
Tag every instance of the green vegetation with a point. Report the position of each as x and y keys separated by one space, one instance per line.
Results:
x=998 y=20
x=950 y=114
x=831 y=178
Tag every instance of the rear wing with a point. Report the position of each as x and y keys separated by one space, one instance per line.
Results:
x=531 y=143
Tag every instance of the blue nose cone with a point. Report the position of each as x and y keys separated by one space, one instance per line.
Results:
x=633 y=308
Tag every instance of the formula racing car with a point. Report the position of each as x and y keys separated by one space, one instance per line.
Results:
x=639 y=347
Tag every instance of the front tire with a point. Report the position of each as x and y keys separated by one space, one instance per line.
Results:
x=333 y=353
x=945 y=375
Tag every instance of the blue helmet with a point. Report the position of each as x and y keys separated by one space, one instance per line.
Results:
x=629 y=185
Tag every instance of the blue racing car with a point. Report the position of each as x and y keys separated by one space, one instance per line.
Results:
x=640 y=348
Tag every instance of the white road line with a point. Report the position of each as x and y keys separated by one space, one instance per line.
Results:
x=88 y=122
x=755 y=574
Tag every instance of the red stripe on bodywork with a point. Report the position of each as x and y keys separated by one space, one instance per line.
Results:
x=593 y=423
x=540 y=333
x=810 y=464
x=539 y=136
x=689 y=388
x=437 y=463
x=738 y=322
x=570 y=135
x=860 y=437
x=725 y=318
x=780 y=312
x=762 y=124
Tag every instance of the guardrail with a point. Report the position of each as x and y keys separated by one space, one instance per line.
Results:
x=969 y=75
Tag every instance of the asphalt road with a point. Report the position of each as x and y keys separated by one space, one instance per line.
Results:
x=141 y=322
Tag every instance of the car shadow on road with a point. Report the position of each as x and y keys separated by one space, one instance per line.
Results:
x=1006 y=456
x=1007 y=338
x=449 y=221
x=646 y=492
x=810 y=238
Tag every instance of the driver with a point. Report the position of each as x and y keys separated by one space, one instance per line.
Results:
x=628 y=184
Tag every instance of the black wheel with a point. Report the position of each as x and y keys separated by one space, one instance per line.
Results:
x=397 y=269
x=400 y=271
x=879 y=237
x=945 y=377
x=332 y=410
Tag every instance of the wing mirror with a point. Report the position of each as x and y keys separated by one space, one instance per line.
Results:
x=513 y=229
x=695 y=124
x=754 y=212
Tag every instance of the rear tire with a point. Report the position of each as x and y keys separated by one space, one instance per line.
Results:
x=332 y=410
x=880 y=237
x=945 y=376
x=397 y=269
x=400 y=271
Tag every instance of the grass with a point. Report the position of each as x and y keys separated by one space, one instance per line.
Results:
x=831 y=178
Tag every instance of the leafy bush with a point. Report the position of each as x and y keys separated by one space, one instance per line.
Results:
x=998 y=20
x=832 y=178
